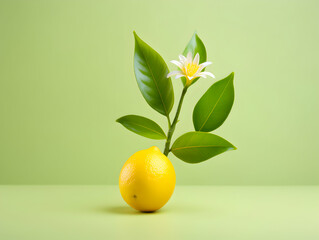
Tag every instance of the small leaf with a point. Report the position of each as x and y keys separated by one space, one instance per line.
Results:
x=142 y=126
x=195 y=46
x=214 y=106
x=151 y=76
x=195 y=147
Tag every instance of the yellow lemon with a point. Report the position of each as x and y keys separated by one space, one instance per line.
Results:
x=147 y=180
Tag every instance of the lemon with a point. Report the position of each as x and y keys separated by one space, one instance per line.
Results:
x=147 y=180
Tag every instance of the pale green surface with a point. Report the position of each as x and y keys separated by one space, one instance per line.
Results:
x=205 y=212
x=66 y=75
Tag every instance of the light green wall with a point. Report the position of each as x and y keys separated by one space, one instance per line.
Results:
x=66 y=74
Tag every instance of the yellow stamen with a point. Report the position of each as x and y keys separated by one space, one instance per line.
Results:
x=191 y=69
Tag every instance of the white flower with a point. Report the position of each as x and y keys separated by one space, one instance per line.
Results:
x=190 y=68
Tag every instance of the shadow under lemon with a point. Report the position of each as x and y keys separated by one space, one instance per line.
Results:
x=125 y=210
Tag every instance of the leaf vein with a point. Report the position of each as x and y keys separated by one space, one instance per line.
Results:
x=187 y=147
x=149 y=129
x=214 y=106
x=159 y=93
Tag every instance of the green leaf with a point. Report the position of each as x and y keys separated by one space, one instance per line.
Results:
x=142 y=126
x=151 y=75
x=195 y=147
x=214 y=106
x=195 y=46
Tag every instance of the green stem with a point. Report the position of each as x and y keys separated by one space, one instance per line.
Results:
x=169 y=121
x=172 y=127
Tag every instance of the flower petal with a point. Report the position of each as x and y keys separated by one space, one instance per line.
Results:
x=189 y=57
x=196 y=59
x=182 y=59
x=179 y=76
x=177 y=63
x=202 y=74
x=173 y=73
x=204 y=64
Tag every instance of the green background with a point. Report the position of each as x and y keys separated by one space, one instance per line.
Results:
x=66 y=74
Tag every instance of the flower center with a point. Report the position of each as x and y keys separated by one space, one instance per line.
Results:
x=191 y=69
